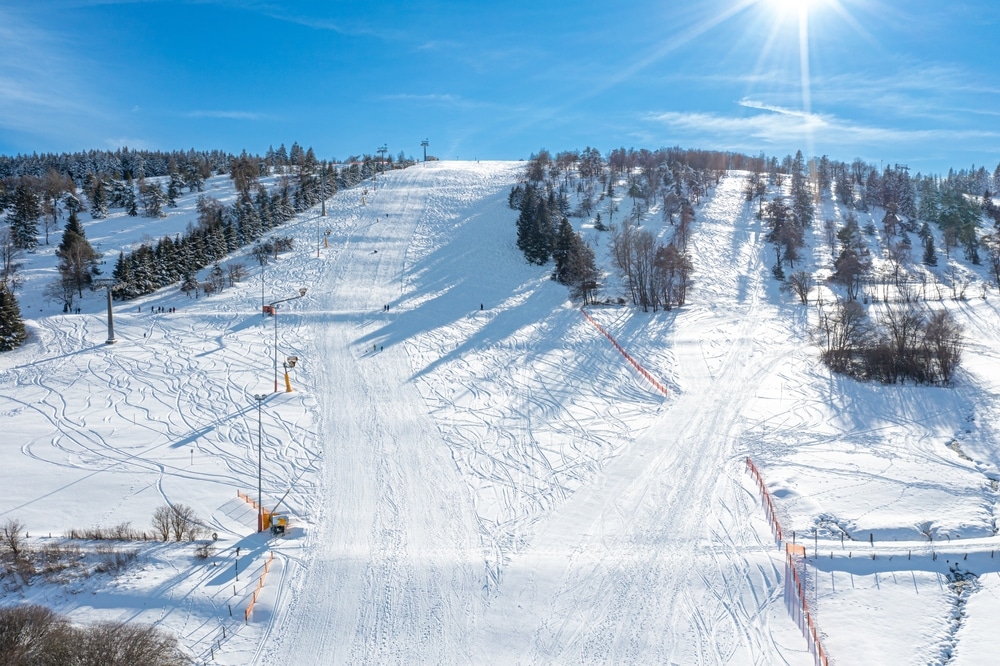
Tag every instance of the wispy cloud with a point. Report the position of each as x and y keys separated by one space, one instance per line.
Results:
x=436 y=99
x=754 y=104
x=226 y=115
x=125 y=142
x=783 y=127
x=40 y=85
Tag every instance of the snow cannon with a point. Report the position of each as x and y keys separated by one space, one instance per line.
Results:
x=279 y=523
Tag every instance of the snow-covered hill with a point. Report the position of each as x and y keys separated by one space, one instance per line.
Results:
x=476 y=475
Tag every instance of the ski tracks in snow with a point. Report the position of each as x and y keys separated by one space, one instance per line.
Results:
x=656 y=558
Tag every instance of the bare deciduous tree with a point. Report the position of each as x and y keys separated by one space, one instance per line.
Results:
x=943 y=339
x=161 y=522
x=801 y=283
x=12 y=533
x=10 y=254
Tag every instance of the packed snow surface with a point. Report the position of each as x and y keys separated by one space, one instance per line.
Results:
x=474 y=474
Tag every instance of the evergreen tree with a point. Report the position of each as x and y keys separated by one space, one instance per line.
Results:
x=296 y=154
x=802 y=203
x=534 y=227
x=72 y=203
x=12 y=331
x=525 y=221
x=129 y=202
x=152 y=199
x=542 y=233
x=930 y=255
x=78 y=261
x=124 y=287
x=824 y=174
x=515 y=197
x=281 y=157
x=98 y=201
x=24 y=218
x=562 y=250
x=174 y=189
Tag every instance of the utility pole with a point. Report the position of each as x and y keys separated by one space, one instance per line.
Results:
x=260 y=445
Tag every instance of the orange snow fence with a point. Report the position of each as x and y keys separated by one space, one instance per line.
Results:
x=246 y=498
x=772 y=515
x=265 y=515
x=798 y=607
x=635 y=364
x=260 y=584
x=795 y=597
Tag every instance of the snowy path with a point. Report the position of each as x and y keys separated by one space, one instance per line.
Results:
x=657 y=561
x=396 y=547
x=586 y=519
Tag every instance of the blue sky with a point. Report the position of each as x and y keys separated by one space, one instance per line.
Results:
x=914 y=82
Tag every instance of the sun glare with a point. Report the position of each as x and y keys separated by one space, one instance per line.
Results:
x=792 y=6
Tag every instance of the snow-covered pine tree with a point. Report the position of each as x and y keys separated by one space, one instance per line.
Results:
x=78 y=260
x=12 y=331
x=24 y=218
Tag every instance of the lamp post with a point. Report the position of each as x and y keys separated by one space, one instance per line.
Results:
x=274 y=313
x=260 y=445
x=324 y=188
x=323 y=207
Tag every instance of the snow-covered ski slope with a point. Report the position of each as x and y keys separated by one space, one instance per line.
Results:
x=476 y=475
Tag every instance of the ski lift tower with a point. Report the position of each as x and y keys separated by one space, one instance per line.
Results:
x=382 y=151
x=424 y=144
x=107 y=284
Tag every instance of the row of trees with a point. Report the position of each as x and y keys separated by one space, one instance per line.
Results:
x=220 y=231
x=903 y=343
x=120 y=182
x=32 y=634
x=543 y=233
x=35 y=191
x=655 y=273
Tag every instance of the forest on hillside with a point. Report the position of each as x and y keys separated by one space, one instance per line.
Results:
x=871 y=263
x=880 y=225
